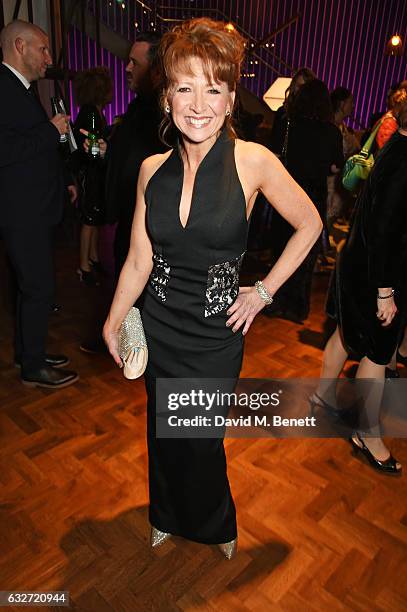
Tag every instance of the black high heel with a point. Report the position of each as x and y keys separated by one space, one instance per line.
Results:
x=97 y=267
x=389 y=466
x=339 y=417
x=87 y=278
x=316 y=401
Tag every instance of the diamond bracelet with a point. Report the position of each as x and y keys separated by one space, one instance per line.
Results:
x=263 y=293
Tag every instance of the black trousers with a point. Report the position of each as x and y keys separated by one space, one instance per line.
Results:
x=31 y=256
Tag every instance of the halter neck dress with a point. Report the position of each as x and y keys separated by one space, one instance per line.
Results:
x=195 y=278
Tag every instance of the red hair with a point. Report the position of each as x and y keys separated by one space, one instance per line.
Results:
x=398 y=99
x=220 y=50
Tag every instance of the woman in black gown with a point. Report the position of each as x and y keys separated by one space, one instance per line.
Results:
x=368 y=296
x=188 y=238
x=93 y=89
x=312 y=150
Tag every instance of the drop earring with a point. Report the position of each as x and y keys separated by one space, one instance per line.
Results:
x=167 y=109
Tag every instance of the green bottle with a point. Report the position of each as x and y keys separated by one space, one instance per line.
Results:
x=93 y=137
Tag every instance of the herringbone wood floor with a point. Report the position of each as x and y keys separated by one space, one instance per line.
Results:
x=319 y=529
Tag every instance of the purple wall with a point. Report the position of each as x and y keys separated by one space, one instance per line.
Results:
x=82 y=54
x=342 y=41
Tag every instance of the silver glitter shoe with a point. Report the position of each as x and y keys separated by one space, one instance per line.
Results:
x=229 y=549
x=157 y=537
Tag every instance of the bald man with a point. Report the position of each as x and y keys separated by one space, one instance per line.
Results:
x=31 y=198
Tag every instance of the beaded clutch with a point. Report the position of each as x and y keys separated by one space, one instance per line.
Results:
x=132 y=345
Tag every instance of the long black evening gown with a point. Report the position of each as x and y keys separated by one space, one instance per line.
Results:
x=312 y=147
x=194 y=280
x=89 y=172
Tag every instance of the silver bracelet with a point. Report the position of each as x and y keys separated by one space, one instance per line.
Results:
x=385 y=297
x=263 y=293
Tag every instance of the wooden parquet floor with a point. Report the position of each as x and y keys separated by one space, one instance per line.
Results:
x=319 y=529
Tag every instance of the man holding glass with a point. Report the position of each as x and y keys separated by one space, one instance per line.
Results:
x=31 y=198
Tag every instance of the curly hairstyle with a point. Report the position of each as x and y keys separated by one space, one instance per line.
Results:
x=312 y=102
x=397 y=100
x=220 y=50
x=93 y=87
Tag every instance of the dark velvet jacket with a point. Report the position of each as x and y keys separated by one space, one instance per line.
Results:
x=374 y=256
x=379 y=231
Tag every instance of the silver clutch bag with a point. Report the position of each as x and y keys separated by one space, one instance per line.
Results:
x=132 y=345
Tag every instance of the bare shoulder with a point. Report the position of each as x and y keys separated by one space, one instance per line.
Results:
x=150 y=166
x=256 y=165
x=252 y=153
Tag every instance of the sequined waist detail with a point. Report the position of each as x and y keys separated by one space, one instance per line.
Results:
x=218 y=288
x=222 y=285
x=160 y=276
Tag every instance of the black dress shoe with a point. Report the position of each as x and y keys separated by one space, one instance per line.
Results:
x=49 y=377
x=55 y=361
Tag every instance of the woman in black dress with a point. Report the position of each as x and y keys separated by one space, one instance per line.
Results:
x=188 y=238
x=312 y=149
x=278 y=130
x=369 y=291
x=93 y=89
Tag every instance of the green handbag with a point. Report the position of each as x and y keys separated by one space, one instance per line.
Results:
x=358 y=167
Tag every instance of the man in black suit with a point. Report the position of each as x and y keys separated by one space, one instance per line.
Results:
x=31 y=198
x=135 y=138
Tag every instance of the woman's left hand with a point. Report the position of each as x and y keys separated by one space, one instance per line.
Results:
x=246 y=306
x=101 y=141
x=386 y=310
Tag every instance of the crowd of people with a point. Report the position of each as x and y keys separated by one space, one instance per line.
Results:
x=181 y=187
x=313 y=141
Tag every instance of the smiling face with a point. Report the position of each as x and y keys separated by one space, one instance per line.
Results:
x=198 y=107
